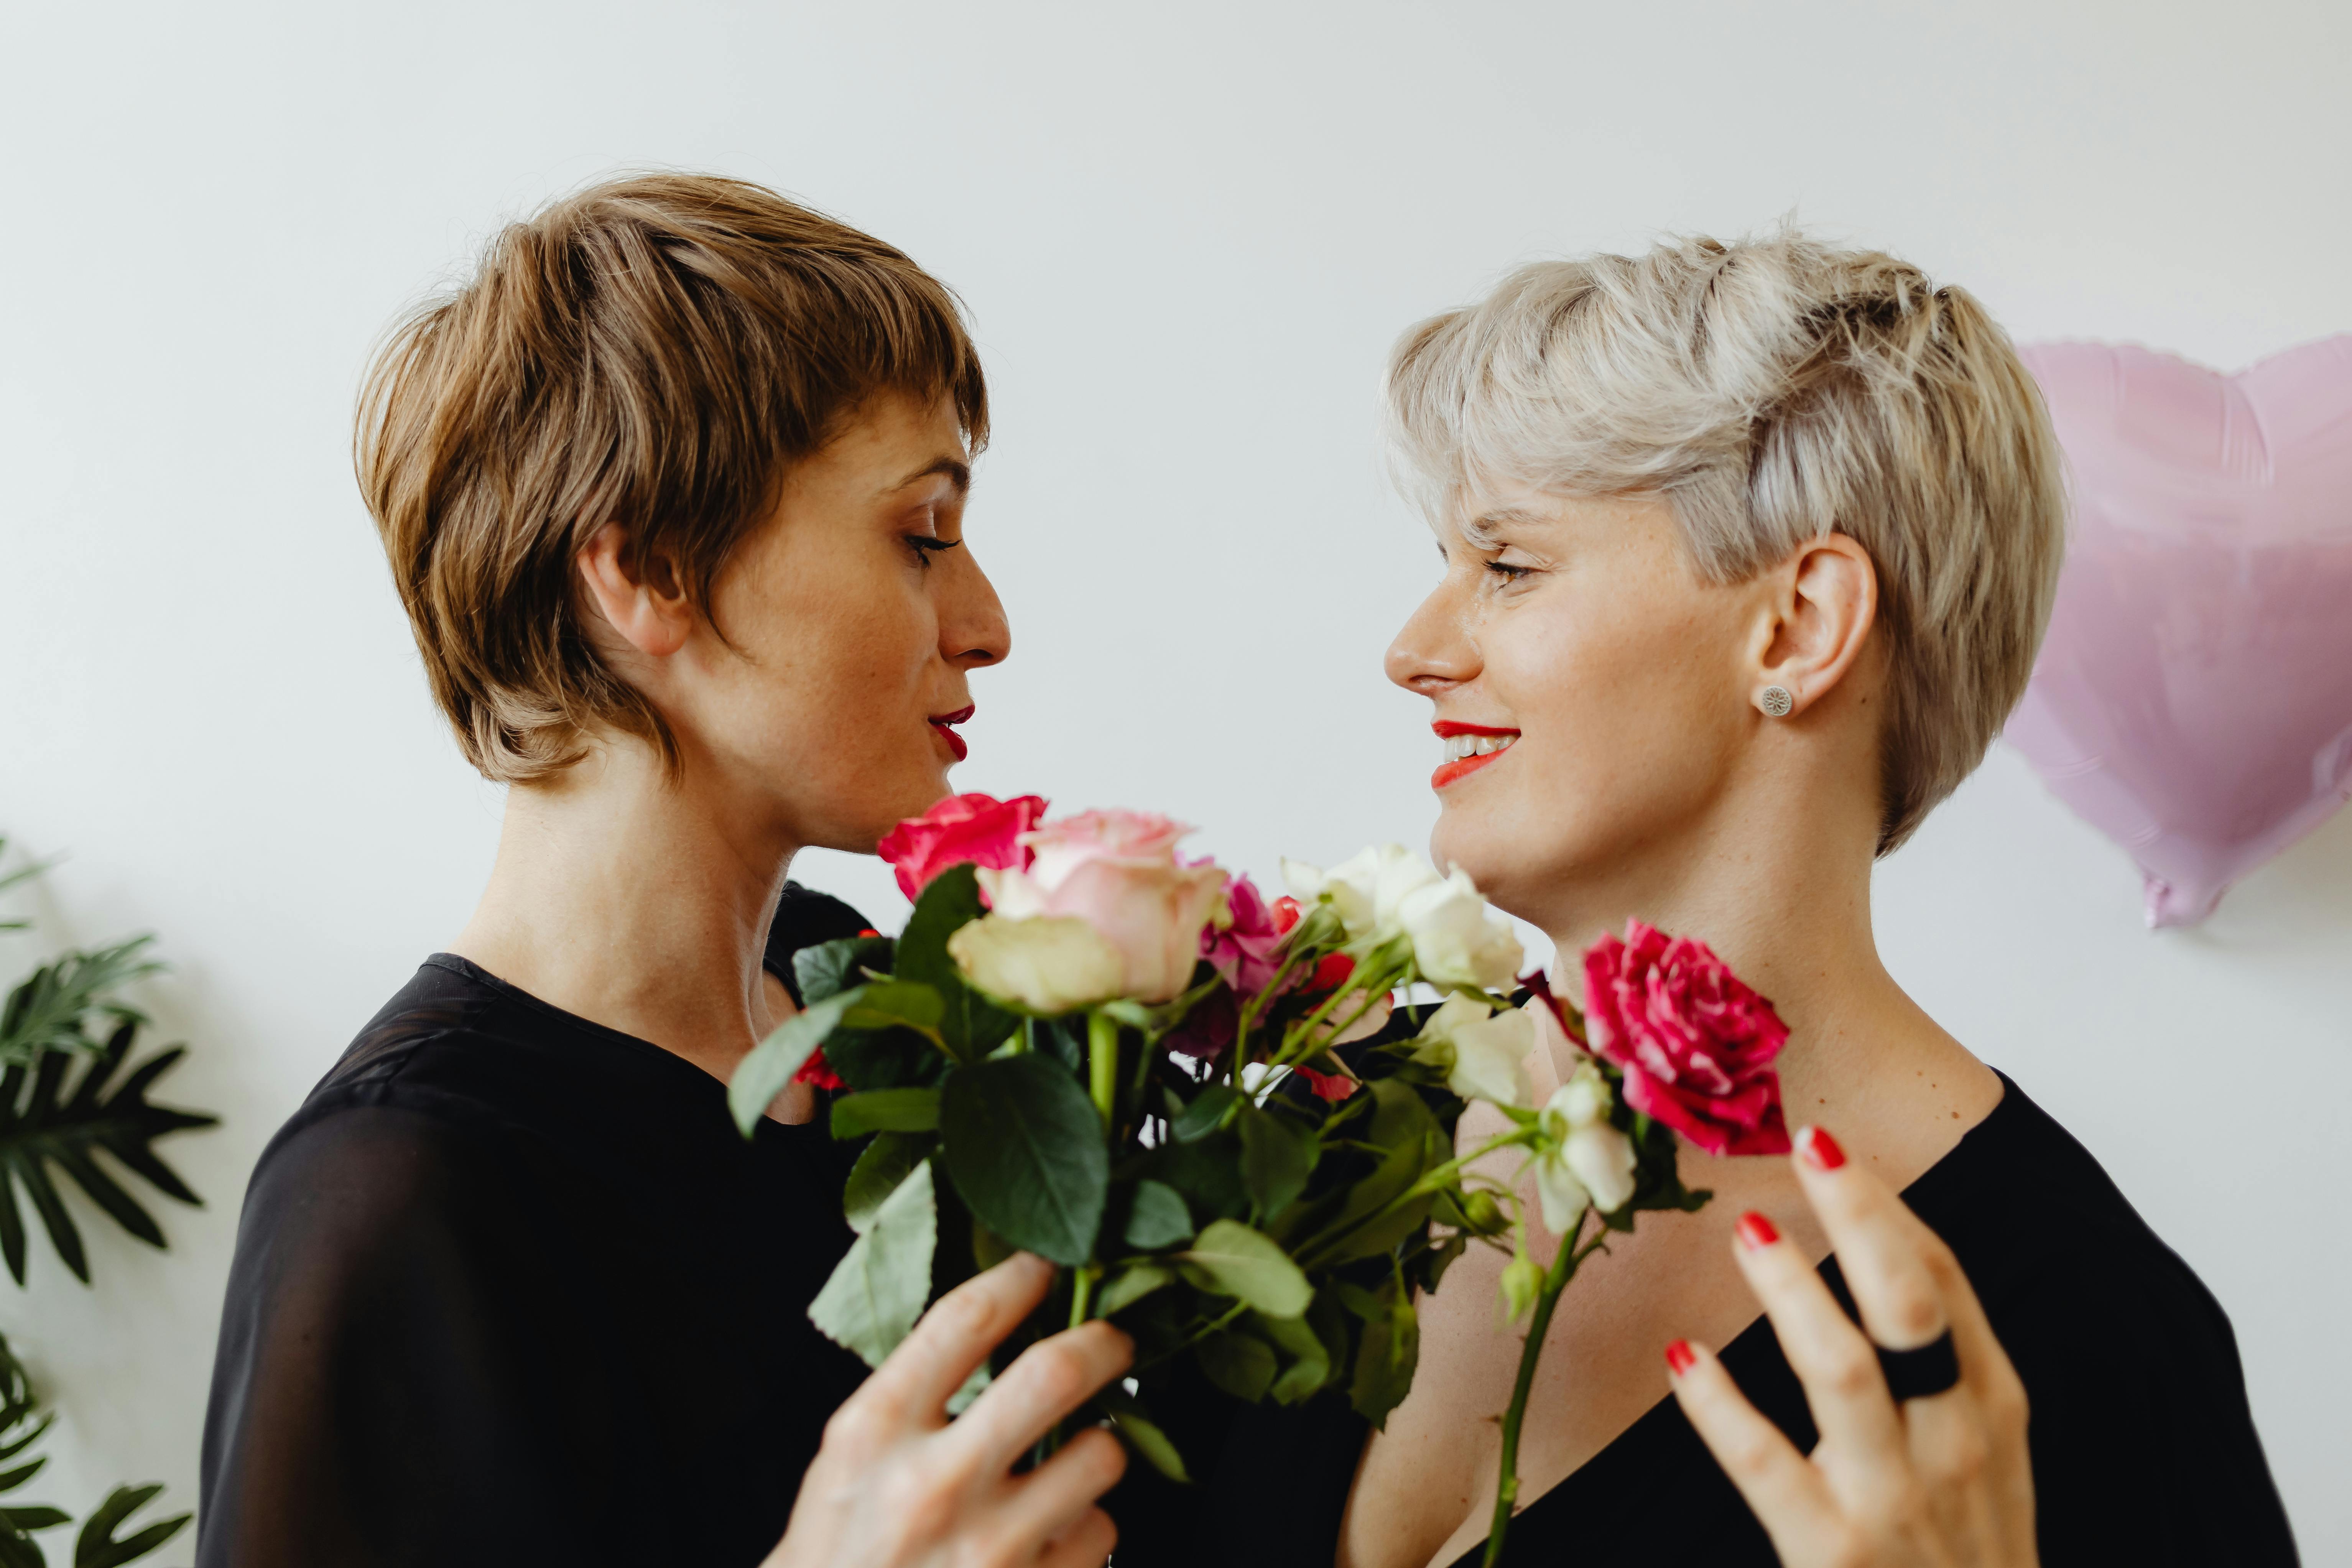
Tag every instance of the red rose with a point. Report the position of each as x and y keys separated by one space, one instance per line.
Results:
x=961 y=830
x=818 y=1071
x=1695 y=1044
x=1331 y=1086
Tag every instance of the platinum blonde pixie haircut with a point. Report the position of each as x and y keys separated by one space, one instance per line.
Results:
x=1774 y=390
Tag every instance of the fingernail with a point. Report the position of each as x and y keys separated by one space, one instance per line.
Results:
x=1756 y=1231
x=1821 y=1150
x=1680 y=1357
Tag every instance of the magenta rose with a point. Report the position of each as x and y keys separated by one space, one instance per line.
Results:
x=961 y=830
x=1695 y=1043
x=1248 y=950
x=1119 y=872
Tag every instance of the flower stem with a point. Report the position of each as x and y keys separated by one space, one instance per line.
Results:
x=1102 y=1063
x=1082 y=1289
x=1433 y=1180
x=1506 y=1486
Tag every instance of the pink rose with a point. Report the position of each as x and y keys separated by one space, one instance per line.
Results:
x=961 y=830
x=1695 y=1043
x=1117 y=871
x=1247 y=951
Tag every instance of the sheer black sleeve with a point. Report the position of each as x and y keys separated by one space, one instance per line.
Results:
x=399 y=1372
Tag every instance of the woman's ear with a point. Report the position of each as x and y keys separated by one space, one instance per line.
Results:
x=650 y=613
x=1826 y=603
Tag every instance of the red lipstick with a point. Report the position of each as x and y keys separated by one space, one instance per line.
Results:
x=945 y=723
x=1461 y=763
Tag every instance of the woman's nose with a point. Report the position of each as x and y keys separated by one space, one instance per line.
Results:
x=973 y=630
x=1432 y=649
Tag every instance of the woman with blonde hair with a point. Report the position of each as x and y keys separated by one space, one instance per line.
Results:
x=1747 y=552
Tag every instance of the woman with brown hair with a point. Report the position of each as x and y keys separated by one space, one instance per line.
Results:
x=673 y=492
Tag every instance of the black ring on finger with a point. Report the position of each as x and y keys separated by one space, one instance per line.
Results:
x=1933 y=1368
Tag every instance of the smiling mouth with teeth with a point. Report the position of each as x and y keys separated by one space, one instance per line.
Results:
x=1468 y=748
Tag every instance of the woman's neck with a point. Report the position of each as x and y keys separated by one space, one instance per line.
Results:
x=636 y=902
x=1783 y=897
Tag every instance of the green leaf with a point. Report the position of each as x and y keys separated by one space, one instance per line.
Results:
x=50 y=1010
x=884 y=1059
x=1142 y=1434
x=1277 y=1159
x=1657 y=1172
x=761 y=1076
x=1207 y=1173
x=1234 y=1260
x=1157 y=1217
x=1386 y=1359
x=1206 y=1113
x=1310 y=1364
x=895 y=1004
x=885 y=1110
x=40 y=1125
x=1130 y=1285
x=832 y=967
x=37 y=1517
x=1024 y=1148
x=1241 y=1365
x=879 y=1289
x=969 y=1025
x=951 y=902
x=98 y=1547
x=11 y=1480
x=881 y=1165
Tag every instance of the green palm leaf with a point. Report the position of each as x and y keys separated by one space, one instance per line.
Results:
x=51 y=1010
x=41 y=1127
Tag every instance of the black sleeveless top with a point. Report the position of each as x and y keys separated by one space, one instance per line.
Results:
x=510 y=1289
x=2143 y=1451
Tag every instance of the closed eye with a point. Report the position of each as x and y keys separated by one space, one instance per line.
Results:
x=925 y=547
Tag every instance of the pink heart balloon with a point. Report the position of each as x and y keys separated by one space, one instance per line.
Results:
x=2194 y=699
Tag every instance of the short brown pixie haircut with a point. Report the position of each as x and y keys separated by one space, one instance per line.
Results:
x=653 y=352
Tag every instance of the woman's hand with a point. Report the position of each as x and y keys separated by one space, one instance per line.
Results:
x=896 y=1484
x=1940 y=1479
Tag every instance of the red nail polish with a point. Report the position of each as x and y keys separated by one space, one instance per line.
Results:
x=1680 y=1357
x=1821 y=1150
x=1756 y=1231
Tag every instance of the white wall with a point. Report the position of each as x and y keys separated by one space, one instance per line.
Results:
x=1187 y=239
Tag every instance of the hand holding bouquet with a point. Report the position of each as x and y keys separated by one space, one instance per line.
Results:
x=1085 y=1046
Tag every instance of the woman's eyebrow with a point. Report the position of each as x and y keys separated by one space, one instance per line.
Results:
x=957 y=471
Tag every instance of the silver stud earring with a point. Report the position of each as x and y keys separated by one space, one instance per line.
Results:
x=1776 y=701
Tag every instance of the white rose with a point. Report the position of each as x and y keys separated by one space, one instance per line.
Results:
x=1484 y=1052
x=1047 y=965
x=1458 y=939
x=1365 y=890
x=1564 y=1196
x=1602 y=1159
x=1598 y=1157
x=1584 y=1099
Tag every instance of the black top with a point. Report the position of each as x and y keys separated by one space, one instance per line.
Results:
x=2143 y=1451
x=511 y=1288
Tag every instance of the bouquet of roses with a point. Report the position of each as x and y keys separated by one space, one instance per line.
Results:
x=1085 y=1046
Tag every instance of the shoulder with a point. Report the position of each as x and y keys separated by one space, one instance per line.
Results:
x=2140 y=1421
x=457 y=1064
x=2032 y=1215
